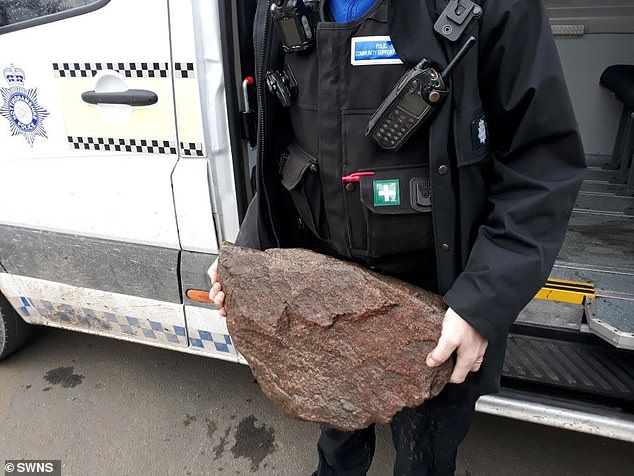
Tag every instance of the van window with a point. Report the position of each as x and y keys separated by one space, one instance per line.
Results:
x=18 y=14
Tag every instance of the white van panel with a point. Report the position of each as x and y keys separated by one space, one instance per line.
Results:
x=116 y=197
x=91 y=172
x=104 y=35
x=193 y=206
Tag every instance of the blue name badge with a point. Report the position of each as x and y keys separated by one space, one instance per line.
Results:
x=371 y=50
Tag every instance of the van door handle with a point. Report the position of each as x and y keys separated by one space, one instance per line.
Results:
x=131 y=97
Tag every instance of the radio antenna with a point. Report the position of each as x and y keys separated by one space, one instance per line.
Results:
x=459 y=56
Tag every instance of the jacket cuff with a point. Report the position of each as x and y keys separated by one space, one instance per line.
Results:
x=468 y=306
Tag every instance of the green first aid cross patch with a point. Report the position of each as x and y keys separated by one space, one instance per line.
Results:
x=386 y=193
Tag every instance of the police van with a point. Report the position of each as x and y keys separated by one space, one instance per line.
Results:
x=126 y=154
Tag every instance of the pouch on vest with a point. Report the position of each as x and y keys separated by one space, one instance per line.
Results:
x=395 y=205
x=300 y=176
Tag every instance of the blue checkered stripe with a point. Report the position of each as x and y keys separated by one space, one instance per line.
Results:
x=104 y=321
x=211 y=341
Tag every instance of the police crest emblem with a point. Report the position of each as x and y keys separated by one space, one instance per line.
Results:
x=20 y=106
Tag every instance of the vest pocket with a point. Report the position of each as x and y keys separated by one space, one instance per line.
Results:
x=300 y=176
x=396 y=205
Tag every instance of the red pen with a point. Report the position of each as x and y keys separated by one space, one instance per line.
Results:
x=355 y=177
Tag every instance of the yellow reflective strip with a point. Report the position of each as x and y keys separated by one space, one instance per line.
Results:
x=570 y=284
x=565 y=291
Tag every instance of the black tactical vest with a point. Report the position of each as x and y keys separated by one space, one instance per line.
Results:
x=361 y=201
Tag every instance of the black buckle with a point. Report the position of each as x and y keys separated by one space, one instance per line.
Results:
x=283 y=85
x=420 y=194
x=455 y=18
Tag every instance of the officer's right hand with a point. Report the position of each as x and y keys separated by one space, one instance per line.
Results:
x=216 y=294
x=459 y=336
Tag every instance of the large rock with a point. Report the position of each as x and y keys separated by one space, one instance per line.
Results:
x=328 y=340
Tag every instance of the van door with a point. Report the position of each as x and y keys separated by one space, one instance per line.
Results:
x=205 y=187
x=88 y=231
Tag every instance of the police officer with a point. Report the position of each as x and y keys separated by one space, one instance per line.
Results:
x=474 y=205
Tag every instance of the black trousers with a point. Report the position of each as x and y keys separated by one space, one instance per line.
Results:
x=425 y=438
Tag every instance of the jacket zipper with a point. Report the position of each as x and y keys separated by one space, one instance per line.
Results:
x=261 y=128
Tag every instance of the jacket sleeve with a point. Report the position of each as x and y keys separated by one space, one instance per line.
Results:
x=538 y=165
x=249 y=234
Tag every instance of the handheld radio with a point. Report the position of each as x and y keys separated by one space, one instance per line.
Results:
x=412 y=101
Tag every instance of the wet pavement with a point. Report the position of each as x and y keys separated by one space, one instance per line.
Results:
x=109 y=407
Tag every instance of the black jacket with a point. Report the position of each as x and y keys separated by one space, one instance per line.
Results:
x=500 y=209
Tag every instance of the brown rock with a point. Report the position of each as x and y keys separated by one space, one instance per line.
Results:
x=328 y=340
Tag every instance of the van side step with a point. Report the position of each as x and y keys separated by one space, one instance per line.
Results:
x=595 y=370
x=585 y=418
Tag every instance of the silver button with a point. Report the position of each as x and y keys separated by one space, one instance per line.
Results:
x=444 y=247
x=443 y=169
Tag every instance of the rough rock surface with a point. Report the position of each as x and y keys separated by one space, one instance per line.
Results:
x=328 y=340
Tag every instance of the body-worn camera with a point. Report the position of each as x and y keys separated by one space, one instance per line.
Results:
x=411 y=102
x=295 y=21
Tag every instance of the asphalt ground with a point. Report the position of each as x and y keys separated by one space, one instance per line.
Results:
x=108 y=407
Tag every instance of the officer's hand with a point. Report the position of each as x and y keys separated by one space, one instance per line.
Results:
x=458 y=335
x=216 y=294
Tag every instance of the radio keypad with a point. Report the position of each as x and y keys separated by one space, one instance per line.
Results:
x=395 y=127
